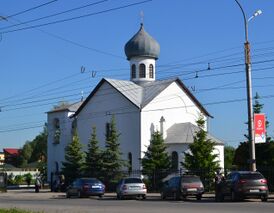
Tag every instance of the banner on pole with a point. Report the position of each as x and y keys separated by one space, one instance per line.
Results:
x=259 y=128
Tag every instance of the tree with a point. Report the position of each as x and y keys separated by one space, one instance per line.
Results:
x=34 y=151
x=112 y=162
x=257 y=108
x=156 y=162
x=264 y=151
x=201 y=160
x=93 y=165
x=39 y=146
x=74 y=159
x=229 y=153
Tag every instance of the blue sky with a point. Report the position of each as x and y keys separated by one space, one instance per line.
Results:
x=41 y=66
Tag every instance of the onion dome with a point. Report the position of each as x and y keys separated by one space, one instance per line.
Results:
x=142 y=44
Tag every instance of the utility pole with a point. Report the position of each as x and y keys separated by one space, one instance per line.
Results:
x=251 y=140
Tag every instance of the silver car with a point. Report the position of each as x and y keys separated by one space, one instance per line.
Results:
x=131 y=187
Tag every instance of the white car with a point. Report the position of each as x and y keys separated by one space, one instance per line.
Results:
x=131 y=187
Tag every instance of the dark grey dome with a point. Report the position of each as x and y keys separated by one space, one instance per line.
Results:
x=142 y=44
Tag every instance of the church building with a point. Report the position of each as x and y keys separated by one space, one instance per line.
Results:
x=141 y=106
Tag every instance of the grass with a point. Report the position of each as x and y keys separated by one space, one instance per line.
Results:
x=15 y=210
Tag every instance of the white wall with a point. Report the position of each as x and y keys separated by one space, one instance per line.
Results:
x=56 y=152
x=174 y=105
x=98 y=112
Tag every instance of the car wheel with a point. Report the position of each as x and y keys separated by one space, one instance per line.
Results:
x=176 y=196
x=101 y=196
x=163 y=196
x=264 y=198
x=120 y=197
x=199 y=197
x=79 y=194
x=144 y=197
x=67 y=195
x=234 y=196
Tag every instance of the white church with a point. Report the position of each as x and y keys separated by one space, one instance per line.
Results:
x=141 y=106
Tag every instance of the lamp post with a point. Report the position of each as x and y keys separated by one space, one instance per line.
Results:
x=249 y=89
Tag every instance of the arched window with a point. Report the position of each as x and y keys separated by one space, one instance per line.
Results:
x=142 y=71
x=130 y=162
x=73 y=127
x=57 y=131
x=56 y=167
x=151 y=71
x=133 y=71
x=107 y=129
x=174 y=160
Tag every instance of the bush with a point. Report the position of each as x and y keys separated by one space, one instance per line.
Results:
x=28 y=178
x=19 y=179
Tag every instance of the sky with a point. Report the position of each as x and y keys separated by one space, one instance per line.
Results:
x=50 y=48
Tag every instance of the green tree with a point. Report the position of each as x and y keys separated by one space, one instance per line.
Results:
x=39 y=146
x=112 y=161
x=24 y=155
x=201 y=160
x=93 y=164
x=74 y=160
x=264 y=151
x=156 y=162
x=241 y=156
x=229 y=153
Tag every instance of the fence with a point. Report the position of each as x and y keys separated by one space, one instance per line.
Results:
x=154 y=179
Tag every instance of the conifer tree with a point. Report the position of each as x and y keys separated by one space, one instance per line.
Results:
x=112 y=162
x=74 y=160
x=156 y=162
x=93 y=164
x=201 y=160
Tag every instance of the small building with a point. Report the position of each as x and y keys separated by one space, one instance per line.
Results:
x=141 y=106
x=2 y=158
x=10 y=155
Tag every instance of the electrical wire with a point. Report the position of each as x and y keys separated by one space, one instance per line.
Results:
x=77 y=17
x=30 y=9
x=53 y=15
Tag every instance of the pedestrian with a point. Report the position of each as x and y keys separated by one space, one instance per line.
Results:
x=218 y=185
x=37 y=184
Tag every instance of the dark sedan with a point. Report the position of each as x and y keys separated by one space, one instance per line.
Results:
x=178 y=187
x=84 y=187
x=244 y=184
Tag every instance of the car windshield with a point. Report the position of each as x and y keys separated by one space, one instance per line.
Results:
x=133 y=180
x=191 y=179
x=91 y=181
x=252 y=176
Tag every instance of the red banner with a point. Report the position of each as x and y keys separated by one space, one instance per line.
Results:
x=259 y=128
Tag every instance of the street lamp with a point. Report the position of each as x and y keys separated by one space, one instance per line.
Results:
x=249 y=89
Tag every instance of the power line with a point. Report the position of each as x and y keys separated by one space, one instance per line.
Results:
x=77 y=17
x=30 y=9
x=69 y=95
x=55 y=14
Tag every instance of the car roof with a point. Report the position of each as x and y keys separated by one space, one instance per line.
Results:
x=131 y=178
x=246 y=172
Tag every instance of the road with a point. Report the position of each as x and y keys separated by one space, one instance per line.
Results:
x=56 y=202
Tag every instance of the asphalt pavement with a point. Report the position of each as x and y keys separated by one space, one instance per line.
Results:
x=47 y=194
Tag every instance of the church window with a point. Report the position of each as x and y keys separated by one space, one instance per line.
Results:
x=130 y=162
x=57 y=131
x=151 y=71
x=107 y=130
x=174 y=161
x=142 y=71
x=73 y=126
x=133 y=71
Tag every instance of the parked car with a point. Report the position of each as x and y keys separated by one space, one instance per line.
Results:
x=244 y=184
x=84 y=187
x=131 y=187
x=178 y=187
